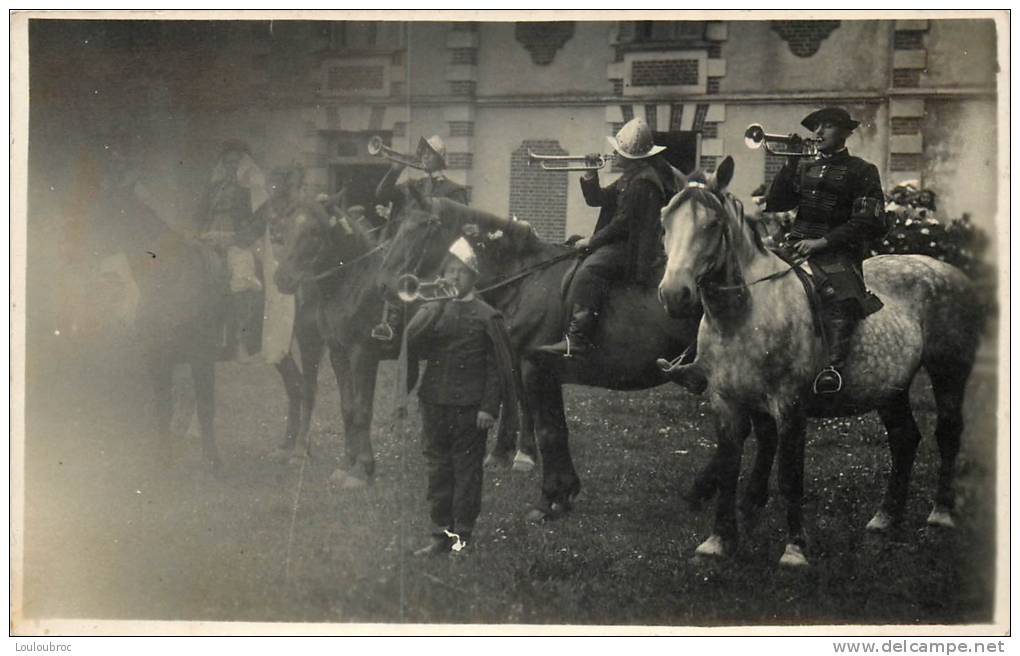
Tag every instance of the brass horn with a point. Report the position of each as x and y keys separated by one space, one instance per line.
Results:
x=376 y=148
x=411 y=289
x=566 y=162
x=755 y=137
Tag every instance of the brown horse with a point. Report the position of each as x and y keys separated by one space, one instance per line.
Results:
x=523 y=278
x=181 y=289
x=300 y=380
x=759 y=349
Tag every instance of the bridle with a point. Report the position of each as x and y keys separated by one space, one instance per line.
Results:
x=724 y=246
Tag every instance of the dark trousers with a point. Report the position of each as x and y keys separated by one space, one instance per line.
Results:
x=454 y=449
x=595 y=274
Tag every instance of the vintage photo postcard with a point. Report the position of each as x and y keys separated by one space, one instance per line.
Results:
x=688 y=322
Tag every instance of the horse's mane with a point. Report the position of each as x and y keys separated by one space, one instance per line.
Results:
x=730 y=204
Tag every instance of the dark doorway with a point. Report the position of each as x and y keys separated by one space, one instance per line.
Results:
x=681 y=149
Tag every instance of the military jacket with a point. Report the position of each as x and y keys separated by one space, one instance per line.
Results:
x=837 y=197
x=457 y=339
x=438 y=186
x=630 y=213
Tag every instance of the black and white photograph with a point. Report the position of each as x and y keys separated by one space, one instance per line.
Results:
x=457 y=322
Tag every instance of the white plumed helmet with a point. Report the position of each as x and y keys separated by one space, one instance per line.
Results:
x=462 y=250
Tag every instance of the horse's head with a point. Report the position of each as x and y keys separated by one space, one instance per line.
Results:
x=310 y=240
x=695 y=227
x=426 y=229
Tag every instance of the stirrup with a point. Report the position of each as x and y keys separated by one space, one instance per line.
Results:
x=382 y=332
x=839 y=381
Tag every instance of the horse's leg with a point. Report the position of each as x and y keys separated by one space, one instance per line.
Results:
x=560 y=483
x=791 y=434
x=706 y=482
x=356 y=371
x=161 y=370
x=731 y=427
x=203 y=372
x=756 y=494
x=527 y=447
x=292 y=384
x=312 y=346
x=903 y=440
x=949 y=385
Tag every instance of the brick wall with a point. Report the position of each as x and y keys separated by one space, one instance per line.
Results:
x=906 y=124
x=349 y=78
x=462 y=128
x=905 y=162
x=664 y=72
x=773 y=164
x=459 y=160
x=462 y=88
x=536 y=195
x=464 y=56
x=907 y=77
x=804 y=37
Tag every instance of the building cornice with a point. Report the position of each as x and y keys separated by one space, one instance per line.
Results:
x=582 y=100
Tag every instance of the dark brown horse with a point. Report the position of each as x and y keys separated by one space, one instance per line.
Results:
x=181 y=286
x=759 y=349
x=522 y=277
x=335 y=258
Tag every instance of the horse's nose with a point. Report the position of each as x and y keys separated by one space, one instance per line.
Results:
x=675 y=301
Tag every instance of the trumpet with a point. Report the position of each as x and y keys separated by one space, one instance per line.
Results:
x=755 y=137
x=565 y=162
x=376 y=148
x=411 y=289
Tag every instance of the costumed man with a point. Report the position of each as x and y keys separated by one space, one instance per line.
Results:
x=389 y=195
x=469 y=374
x=626 y=243
x=839 y=203
x=228 y=219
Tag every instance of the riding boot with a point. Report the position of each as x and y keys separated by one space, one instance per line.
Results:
x=841 y=323
x=684 y=370
x=384 y=330
x=578 y=340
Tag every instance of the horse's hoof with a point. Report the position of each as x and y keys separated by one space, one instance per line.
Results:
x=880 y=522
x=496 y=461
x=536 y=516
x=793 y=557
x=942 y=518
x=523 y=462
x=713 y=547
x=347 y=480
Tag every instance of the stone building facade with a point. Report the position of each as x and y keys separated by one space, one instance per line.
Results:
x=315 y=92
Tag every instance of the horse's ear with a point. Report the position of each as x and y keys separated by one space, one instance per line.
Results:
x=723 y=175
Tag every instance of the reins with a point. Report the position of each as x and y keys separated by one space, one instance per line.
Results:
x=339 y=267
x=527 y=271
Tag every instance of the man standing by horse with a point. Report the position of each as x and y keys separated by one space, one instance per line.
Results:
x=432 y=155
x=626 y=242
x=839 y=203
x=228 y=220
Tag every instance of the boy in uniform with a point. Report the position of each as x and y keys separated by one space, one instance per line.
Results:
x=467 y=376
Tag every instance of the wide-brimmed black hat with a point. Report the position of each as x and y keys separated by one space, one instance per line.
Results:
x=836 y=115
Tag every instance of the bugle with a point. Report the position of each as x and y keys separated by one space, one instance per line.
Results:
x=756 y=137
x=567 y=162
x=376 y=148
x=411 y=289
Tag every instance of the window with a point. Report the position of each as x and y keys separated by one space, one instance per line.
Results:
x=654 y=31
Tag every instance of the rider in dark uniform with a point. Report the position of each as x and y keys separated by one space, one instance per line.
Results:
x=432 y=154
x=839 y=203
x=626 y=243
